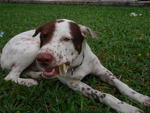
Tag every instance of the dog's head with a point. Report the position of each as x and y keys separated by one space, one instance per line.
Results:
x=61 y=43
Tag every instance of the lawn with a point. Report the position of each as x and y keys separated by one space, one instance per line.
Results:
x=123 y=47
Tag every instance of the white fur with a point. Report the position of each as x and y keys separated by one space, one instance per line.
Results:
x=22 y=49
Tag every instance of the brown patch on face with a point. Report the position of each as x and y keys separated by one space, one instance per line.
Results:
x=77 y=36
x=46 y=31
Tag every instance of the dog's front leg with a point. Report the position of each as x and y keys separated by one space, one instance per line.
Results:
x=107 y=99
x=14 y=75
x=106 y=76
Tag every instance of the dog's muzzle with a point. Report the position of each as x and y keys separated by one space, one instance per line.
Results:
x=45 y=60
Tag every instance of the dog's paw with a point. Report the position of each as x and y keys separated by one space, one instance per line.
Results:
x=7 y=78
x=139 y=111
x=135 y=110
x=27 y=82
x=127 y=108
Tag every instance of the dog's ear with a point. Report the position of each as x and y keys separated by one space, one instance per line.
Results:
x=44 y=29
x=44 y=32
x=86 y=31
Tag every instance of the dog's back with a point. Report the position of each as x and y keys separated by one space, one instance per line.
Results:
x=17 y=47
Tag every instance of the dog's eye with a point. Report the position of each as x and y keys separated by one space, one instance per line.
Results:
x=66 y=39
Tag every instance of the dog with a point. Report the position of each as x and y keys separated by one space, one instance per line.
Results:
x=59 y=49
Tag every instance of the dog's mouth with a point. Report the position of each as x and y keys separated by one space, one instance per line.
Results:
x=51 y=72
x=55 y=71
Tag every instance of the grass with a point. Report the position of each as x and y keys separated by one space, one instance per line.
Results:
x=123 y=47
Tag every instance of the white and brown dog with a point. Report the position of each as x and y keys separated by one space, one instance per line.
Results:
x=59 y=49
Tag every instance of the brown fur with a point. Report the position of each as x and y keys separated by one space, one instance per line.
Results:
x=46 y=31
x=77 y=36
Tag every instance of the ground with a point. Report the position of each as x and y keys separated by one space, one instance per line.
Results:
x=123 y=47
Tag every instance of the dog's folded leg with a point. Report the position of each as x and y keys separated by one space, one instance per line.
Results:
x=105 y=98
x=106 y=76
x=14 y=76
x=27 y=82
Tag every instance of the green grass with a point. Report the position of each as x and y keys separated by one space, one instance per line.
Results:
x=123 y=47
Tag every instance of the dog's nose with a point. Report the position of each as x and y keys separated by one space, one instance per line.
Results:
x=44 y=58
